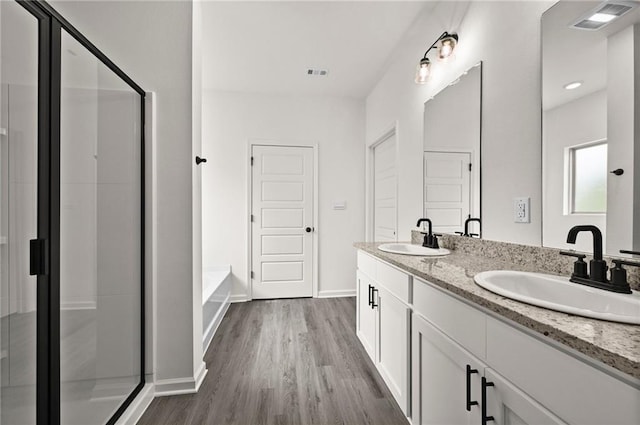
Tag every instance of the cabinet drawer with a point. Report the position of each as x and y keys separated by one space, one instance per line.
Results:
x=367 y=264
x=462 y=323
x=575 y=391
x=394 y=281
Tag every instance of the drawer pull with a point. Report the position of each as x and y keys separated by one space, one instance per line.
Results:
x=485 y=384
x=373 y=298
x=469 y=402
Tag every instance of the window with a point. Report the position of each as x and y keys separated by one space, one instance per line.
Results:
x=587 y=172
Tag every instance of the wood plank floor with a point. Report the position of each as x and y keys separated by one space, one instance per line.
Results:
x=285 y=362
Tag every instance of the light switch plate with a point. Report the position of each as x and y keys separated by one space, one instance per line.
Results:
x=521 y=210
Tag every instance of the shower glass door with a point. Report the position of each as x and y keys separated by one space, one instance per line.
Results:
x=100 y=237
x=18 y=209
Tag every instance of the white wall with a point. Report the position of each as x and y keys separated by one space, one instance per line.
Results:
x=581 y=121
x=152 y=41
x=505 y=36
x=230 y=120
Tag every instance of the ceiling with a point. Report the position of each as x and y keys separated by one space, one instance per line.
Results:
x=267 y=46
x=570 y=54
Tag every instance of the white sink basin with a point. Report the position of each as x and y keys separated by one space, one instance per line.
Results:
x=557 y=293
x=410 y=249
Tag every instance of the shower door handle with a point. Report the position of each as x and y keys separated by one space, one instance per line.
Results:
x=38 y=257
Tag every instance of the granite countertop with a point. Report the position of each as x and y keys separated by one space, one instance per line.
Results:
x=614 y=344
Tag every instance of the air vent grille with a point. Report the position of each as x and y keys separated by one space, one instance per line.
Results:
x=589 y=25
x=317 y=72
x=616 y=9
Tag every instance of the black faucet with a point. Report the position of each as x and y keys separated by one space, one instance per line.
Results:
x=430 y=240
x=466 y=226
x=597 y=266
x=597 y=277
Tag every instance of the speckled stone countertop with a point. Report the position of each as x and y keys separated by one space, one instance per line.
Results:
x=614 y=344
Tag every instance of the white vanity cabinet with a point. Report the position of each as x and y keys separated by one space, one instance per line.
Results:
x=467 y=365
x=452 y=383
x=383 y=322
x=366 y=320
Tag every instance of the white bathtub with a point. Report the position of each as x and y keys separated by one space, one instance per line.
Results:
x=216 y=290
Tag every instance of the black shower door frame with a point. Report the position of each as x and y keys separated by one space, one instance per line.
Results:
x=45 y=251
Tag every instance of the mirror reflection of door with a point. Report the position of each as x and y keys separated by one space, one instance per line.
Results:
x=447 y=194
x=452 y=135
x=385 y=190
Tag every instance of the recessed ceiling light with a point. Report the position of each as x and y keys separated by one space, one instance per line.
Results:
x=602 y=17
x=572 y=85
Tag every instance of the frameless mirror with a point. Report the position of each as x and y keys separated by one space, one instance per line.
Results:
x=451 y=170
x=590 y=153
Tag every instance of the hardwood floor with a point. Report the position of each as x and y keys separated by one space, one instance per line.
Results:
x=285 y=362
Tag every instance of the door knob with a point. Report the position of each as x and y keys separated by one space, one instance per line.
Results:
x=200 y=160
x=308 y=229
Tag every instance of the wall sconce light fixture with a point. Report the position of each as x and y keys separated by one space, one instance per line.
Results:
x=445 y=44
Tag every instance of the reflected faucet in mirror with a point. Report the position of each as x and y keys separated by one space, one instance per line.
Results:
x=466 y=227
x=430 y=239
x=597 y=275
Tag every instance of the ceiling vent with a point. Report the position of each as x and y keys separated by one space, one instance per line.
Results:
x=317 y=72
x=603 y=14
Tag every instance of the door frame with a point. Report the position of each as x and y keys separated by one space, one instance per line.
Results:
x=314 y=255
x=474 y=183
x=392 y=130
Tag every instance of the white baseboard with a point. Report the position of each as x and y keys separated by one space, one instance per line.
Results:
x=239 y=298
x=137 y=408
x=213 y=327
x=200 y=374
x=337 y=293
x=179 y=386
x=78 y=305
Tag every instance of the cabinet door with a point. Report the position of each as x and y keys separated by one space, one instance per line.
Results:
x=443 y=390
x=510 y=406
x=393 y=345
x=365 y=316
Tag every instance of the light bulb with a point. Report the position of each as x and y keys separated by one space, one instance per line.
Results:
x=423 y=71
x=447 y=45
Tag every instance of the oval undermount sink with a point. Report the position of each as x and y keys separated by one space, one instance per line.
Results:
x=558 y=293
x=411 y=249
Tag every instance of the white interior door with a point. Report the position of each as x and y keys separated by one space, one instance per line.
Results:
x=384 y=189
x=282 y=221
x=447 y=182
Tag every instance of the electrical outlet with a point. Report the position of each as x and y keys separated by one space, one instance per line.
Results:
x=521 y=210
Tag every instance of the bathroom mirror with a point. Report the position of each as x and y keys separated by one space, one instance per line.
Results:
x=590 y=153
x=451 y=164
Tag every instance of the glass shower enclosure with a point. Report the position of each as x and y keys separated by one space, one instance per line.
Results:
x=71 y=225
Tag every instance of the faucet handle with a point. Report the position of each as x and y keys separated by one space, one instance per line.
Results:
x=574 y=254
x=579 y=267
x=619 y=275
x=626 y=251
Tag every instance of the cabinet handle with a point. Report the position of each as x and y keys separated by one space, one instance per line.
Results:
x=373 y=298
x=485 y=384
x=370 y=297
x=469 y=402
